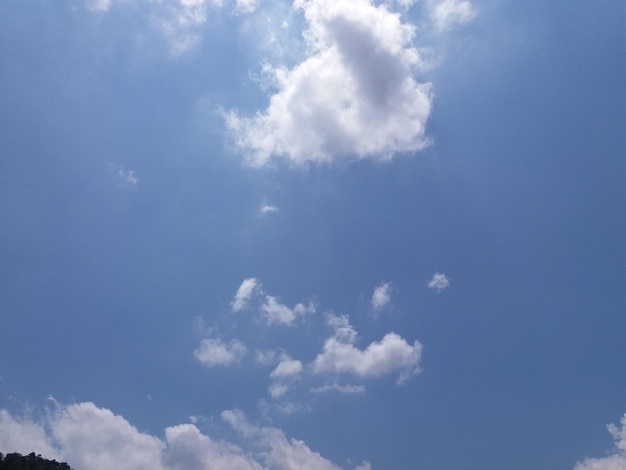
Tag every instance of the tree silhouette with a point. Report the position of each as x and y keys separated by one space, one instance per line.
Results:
x=31 y=461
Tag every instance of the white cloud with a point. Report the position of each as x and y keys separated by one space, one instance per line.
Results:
x=248 y=287
x=391 y=354
x=615 y=461
x=277 y=451
x=381 y=296
x=448 y=13
x=439 y=282
x=24 y=436
x=275 y=312
x=245 y=6
x=127 y=176
x=190 y=449
x=213 y=352
x=334 y=387
x=181 y=22
x=265 y=357
x=287 y=367
x=355 y=96
x=93 y=438
x=100 y=5
x=284 y=376
x=267 y=208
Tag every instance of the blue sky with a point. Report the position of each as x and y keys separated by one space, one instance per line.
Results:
x=328 y=234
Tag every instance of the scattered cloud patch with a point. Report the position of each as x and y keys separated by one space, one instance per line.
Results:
x=244 y=292
x=381 y=296
x=213 y=352
x=335 y=387
x=127 y=177
x=439 y=282
x=355 y=96
x=265 y=357
x=391 y=354
x=277 y=451
x=287 y=367
x=266 y=208
x=284 y=376
x=448 y=13
x=245 y=6
x=180 y=22
x=99 y=5
x=617 y=459
x=275 y=312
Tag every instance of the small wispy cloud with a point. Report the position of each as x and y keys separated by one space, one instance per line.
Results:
x=127 y=176
x=448 y=13
x=381 y=296
x=334 y=387
x=244 y=293
x=276 y=312
x=284 y=376
x=213 y=352
x=266 y=208
x=439 y=282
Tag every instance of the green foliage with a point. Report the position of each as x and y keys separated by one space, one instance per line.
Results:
x=29 y=462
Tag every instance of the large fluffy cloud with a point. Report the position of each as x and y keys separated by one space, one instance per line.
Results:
x=354 y=96
x=93 y=438
x=391 y=354
x=615 y=461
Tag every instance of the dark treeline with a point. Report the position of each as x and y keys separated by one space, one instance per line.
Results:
x=30 y=462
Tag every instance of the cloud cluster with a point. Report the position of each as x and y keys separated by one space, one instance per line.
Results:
x=354 y=96
x=617 y=459
x=271 y=309
x=339 y=356
x=391 y=354
x=93 y=438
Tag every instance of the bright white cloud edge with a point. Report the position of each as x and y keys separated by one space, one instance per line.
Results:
x=439 y=282
x=92 y=438
x=617 y=459
x=381 y=296
x=392 y=354
x=355 y=96
x=244 y=293
x=213 y=352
